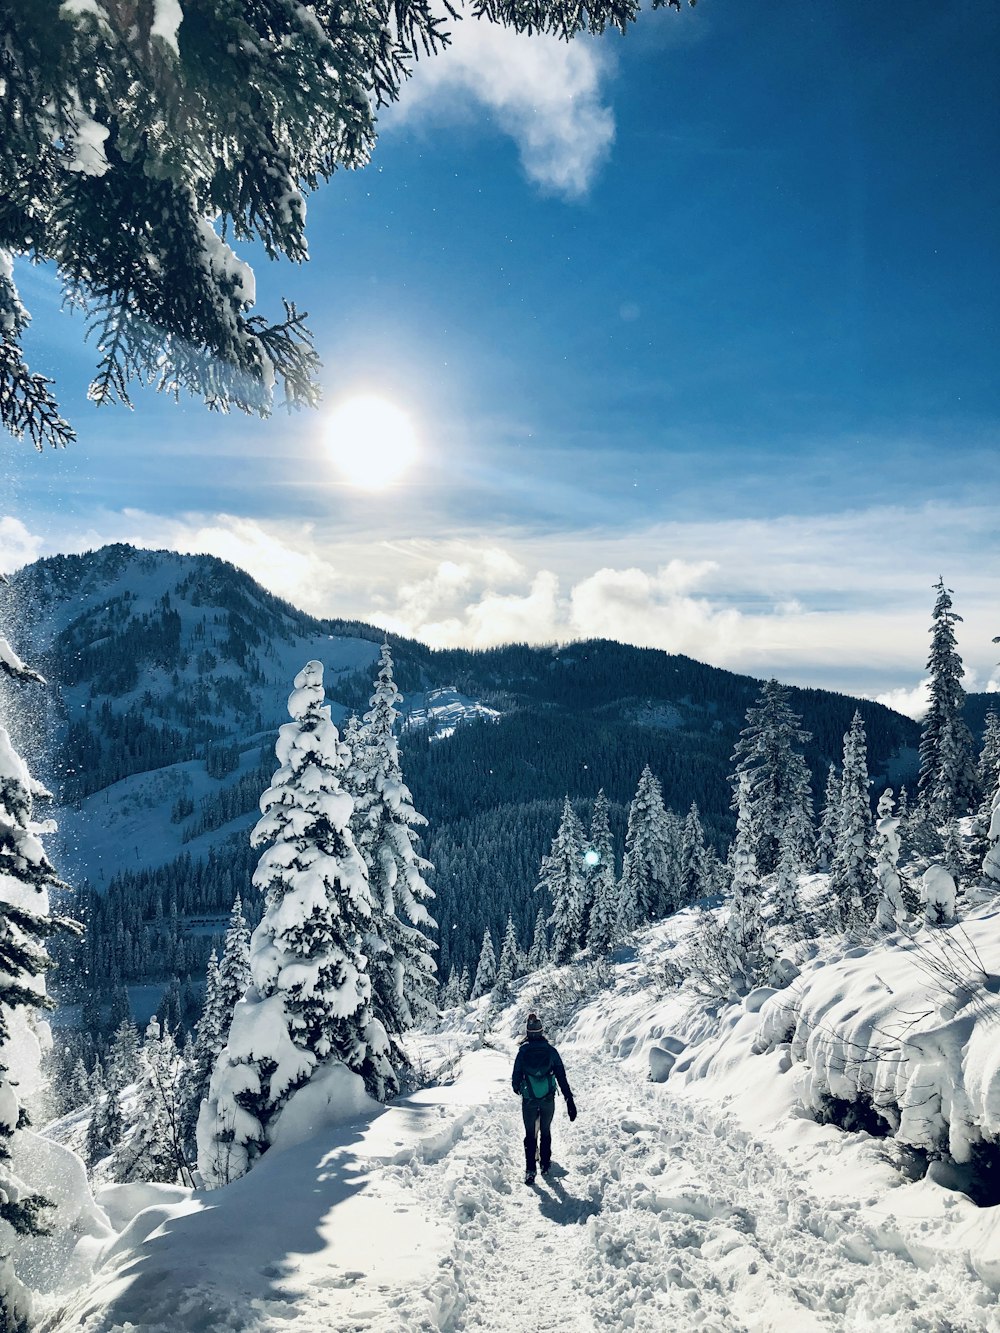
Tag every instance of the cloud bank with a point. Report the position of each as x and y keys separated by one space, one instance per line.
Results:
x=813 y=600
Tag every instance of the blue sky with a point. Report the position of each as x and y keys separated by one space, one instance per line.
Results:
x=698 y=328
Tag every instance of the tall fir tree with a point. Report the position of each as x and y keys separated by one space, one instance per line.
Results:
x=646 y=890
x=988 y=772
x=694 y=869
x=948 y=783
x=309 y=1005
x=778 y=777
x=826 y=838
x=602 y=881
x=26 y=924
x=561 y=878
x=538 y=954
x=507 y=966
x=404 y=980
x=851 y=877
x=486 y=972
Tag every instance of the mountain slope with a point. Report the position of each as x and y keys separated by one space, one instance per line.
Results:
x=169 y=676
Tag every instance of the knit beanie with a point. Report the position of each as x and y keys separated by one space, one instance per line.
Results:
x=534 y=1025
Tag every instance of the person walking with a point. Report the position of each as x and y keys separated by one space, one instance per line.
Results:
x=538 y=1068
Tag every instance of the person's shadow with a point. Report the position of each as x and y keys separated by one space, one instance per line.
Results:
x=558 y=1205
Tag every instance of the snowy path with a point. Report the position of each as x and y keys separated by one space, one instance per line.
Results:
x=668 y=1220
x=667 y=1217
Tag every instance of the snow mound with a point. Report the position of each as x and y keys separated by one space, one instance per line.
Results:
x=906 y=1031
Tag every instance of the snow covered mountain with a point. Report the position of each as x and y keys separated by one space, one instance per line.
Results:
x=169 y=675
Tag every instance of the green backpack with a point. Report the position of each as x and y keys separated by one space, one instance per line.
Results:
x=538 y=1086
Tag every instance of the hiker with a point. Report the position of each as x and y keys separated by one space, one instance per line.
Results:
x=537 y=1070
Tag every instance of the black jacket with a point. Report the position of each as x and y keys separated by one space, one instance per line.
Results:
x=540 y=1057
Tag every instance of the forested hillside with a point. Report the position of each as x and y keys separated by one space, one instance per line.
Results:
x=169 y=676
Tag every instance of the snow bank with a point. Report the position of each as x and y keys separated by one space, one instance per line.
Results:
x=322 y=1233
x=907 y=1030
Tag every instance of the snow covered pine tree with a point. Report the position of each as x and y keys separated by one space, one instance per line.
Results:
x=948 y=781
x=303 y=1040
x=26 y=875
x=402 y=969
x=561 y=877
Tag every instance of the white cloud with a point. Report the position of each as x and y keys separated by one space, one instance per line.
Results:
x=816 y=600
x=18 y=546
x=913 y=703
x=545 y=93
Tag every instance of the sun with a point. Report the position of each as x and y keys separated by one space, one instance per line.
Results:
x=372 y=443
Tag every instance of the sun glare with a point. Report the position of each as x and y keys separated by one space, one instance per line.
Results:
x=372 y=443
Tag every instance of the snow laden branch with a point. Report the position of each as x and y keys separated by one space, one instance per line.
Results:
x=140 y=136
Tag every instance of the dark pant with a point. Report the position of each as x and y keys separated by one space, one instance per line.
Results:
x=537 y=1114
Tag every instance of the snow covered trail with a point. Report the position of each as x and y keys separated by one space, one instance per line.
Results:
x=669 y=1217
x=663 y=1215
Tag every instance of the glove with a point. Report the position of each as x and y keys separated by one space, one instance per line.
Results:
x=571 y=1108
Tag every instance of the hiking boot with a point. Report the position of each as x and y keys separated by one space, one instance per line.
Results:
x=529 y=1177
x=546 y=1168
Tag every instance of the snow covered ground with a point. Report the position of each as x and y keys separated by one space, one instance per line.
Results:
x=710 y=1200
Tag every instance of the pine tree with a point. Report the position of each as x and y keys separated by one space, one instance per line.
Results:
x=465 y=986
x=602 y=882
x=947 y=785
x=694 y=855
x=742 y=946
x=645 y=889
x=538 y=954
x=851 y=874
x=988 y=768
x=778 y=778
x=890 y=909
x=152 y=1151
x=953 y=858
x=561 y=877
x=123 y=1057
x=507 y=967
x=450 y=994
x=991 y=857
x=309 y=1002
x=26 y=875
x=404 y=983
x=486 y=972
x=988 y=772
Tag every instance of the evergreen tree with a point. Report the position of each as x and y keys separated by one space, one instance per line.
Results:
x=507 y=967
x=778 y=789
x=988 y=773
x=123 y=1057
x=309 y=1002
x=991 y=858
x=450 y=993
x=890 y=909
x=743 y=945
x=404 y=981
x=538 y=954
x=152 y=1151
x=486 y=972
x=988 y=768
x=947 y=784
x=26 y=875
x=953 y=857
x=80 y=1089
x=561 y=877
x=645 y=889
x=694 y=871
x=603 y=887
x=465 y=985
x=851 y=874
